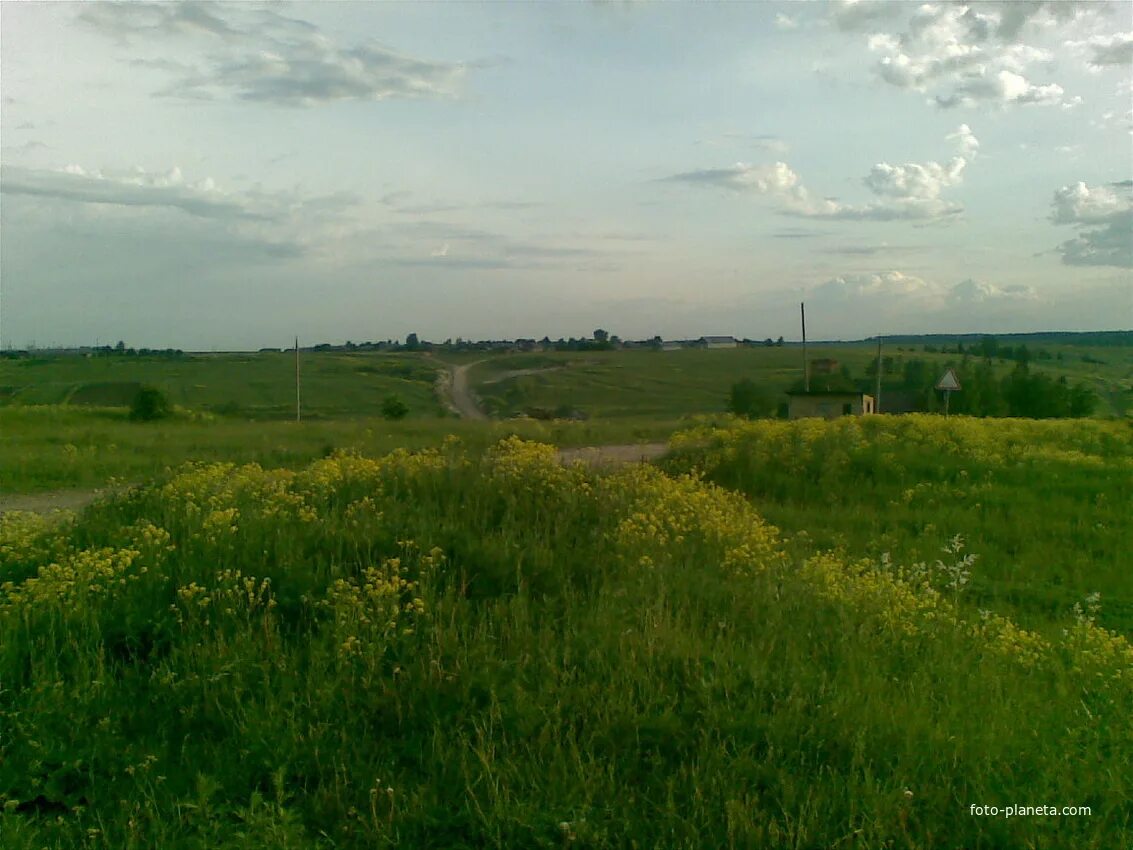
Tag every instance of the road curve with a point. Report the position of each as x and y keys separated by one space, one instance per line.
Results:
x=462 y=398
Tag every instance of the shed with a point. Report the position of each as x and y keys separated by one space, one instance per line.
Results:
x=718 y=341
x=827 y=404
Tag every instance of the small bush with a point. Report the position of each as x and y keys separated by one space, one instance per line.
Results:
x=149 y=404
x=394 y=408
x=750 y=400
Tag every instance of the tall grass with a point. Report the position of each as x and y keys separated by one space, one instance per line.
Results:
x=450 y=650
x=47 y=447
x=1044 y=505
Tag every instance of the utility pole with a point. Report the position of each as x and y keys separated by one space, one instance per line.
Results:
x=806 y=363
x=298 y=409
x=877 y=392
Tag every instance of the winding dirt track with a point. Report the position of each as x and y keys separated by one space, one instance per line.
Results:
x=76 y=500
x=462 y=401
x=49 y=501
x=462 y=398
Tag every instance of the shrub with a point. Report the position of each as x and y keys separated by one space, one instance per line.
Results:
x=749 y=400
x=394 y=408
x=149 y=404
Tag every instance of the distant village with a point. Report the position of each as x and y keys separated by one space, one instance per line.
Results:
x=600 y=341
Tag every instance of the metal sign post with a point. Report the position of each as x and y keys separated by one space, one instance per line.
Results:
x=949 y=384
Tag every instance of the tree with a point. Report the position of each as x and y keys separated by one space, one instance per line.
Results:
x=601 y=335
x=149 y=404
x=1083 y=400
x=412 y=343
x=779 y=342
x=394 y=408
x=749 y=400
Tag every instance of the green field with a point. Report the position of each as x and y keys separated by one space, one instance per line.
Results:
x=259 y=386
x=54 y=447
x=786 y=634
x=465 y=649
x=688 y=381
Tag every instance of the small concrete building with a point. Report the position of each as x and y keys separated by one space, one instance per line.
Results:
x=827 y=404
x=718 y=341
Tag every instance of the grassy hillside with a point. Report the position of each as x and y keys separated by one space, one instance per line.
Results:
x=1042 y=506
x=260 y=386
x=672 y=383
x=453 y=650
x=48 y=447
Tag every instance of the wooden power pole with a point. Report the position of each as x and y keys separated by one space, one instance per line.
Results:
x=298 y=409
x=877 y=391
x=806 y=363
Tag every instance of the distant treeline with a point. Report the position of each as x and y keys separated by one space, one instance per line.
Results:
x=119 y=350
x=1023 y=392
x=909 y=385
x=1091 y=338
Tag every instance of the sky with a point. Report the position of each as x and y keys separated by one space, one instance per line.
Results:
x=230 y=175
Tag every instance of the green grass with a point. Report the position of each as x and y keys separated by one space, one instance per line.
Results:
x=1044 y=505
x=48 y=447
x=260 y=386
x=675 y=383
x=554 y=659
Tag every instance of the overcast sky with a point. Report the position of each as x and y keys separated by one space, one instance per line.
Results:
x=222 y=175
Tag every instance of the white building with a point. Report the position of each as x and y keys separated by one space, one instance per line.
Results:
x=718 y=341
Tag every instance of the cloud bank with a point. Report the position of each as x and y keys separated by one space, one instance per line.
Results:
x=264 y=57
x=910 y=191
x=974 y=54
x=1104 y=218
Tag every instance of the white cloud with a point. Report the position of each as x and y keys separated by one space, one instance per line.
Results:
x=125 y=20
x=1114 y=49
x=969 y=54
x=1002 y=88
x=913 y=291
x=966 y=140
x=860 y=14
x=136 y=188
x=785 y=22
x=914 y=180
x=315 y=70
x=978 y=292
x=908 y=192
x=270 y=58
x=276 y=224
x=1079 y=204
x=890 y=284
x=742 y=177
x=1105 y=221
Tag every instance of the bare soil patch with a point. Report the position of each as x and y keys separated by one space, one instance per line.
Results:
x=614 y=455
x=48 y=501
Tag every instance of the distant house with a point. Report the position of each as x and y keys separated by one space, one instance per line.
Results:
x=718 y=341
x=827 y=404
x=824 y=366
x=672 y=345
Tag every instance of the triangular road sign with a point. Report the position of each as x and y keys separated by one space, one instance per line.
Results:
x=948 y=381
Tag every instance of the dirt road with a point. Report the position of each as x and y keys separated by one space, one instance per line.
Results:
x=48 y=501
x=462 y=398
x=613 y=455
x=76 y=500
